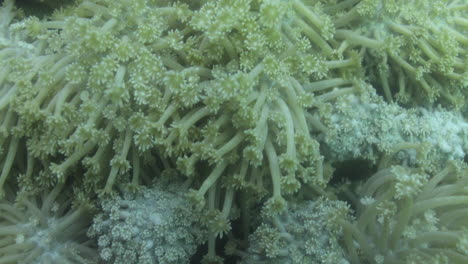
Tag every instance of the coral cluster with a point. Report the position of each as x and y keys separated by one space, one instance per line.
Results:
x=210 y=111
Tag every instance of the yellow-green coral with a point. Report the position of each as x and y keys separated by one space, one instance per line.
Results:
x=249 y=100
x=407 y=216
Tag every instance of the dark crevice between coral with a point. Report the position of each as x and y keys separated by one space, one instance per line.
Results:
x=220 y=243
x=348 y=174
x=352 y=170
x=41 y=8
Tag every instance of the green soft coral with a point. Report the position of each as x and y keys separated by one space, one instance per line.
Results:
x=111 y=82
x=148 y=76
x=43 y=228
x=232 y=94
x=415 y=51
x=405 y=215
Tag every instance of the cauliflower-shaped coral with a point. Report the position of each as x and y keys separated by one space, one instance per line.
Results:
x=366 y=127
x=306 y=233
x=154 y=225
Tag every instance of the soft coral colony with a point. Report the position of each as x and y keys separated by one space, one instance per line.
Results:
x=186 y=126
